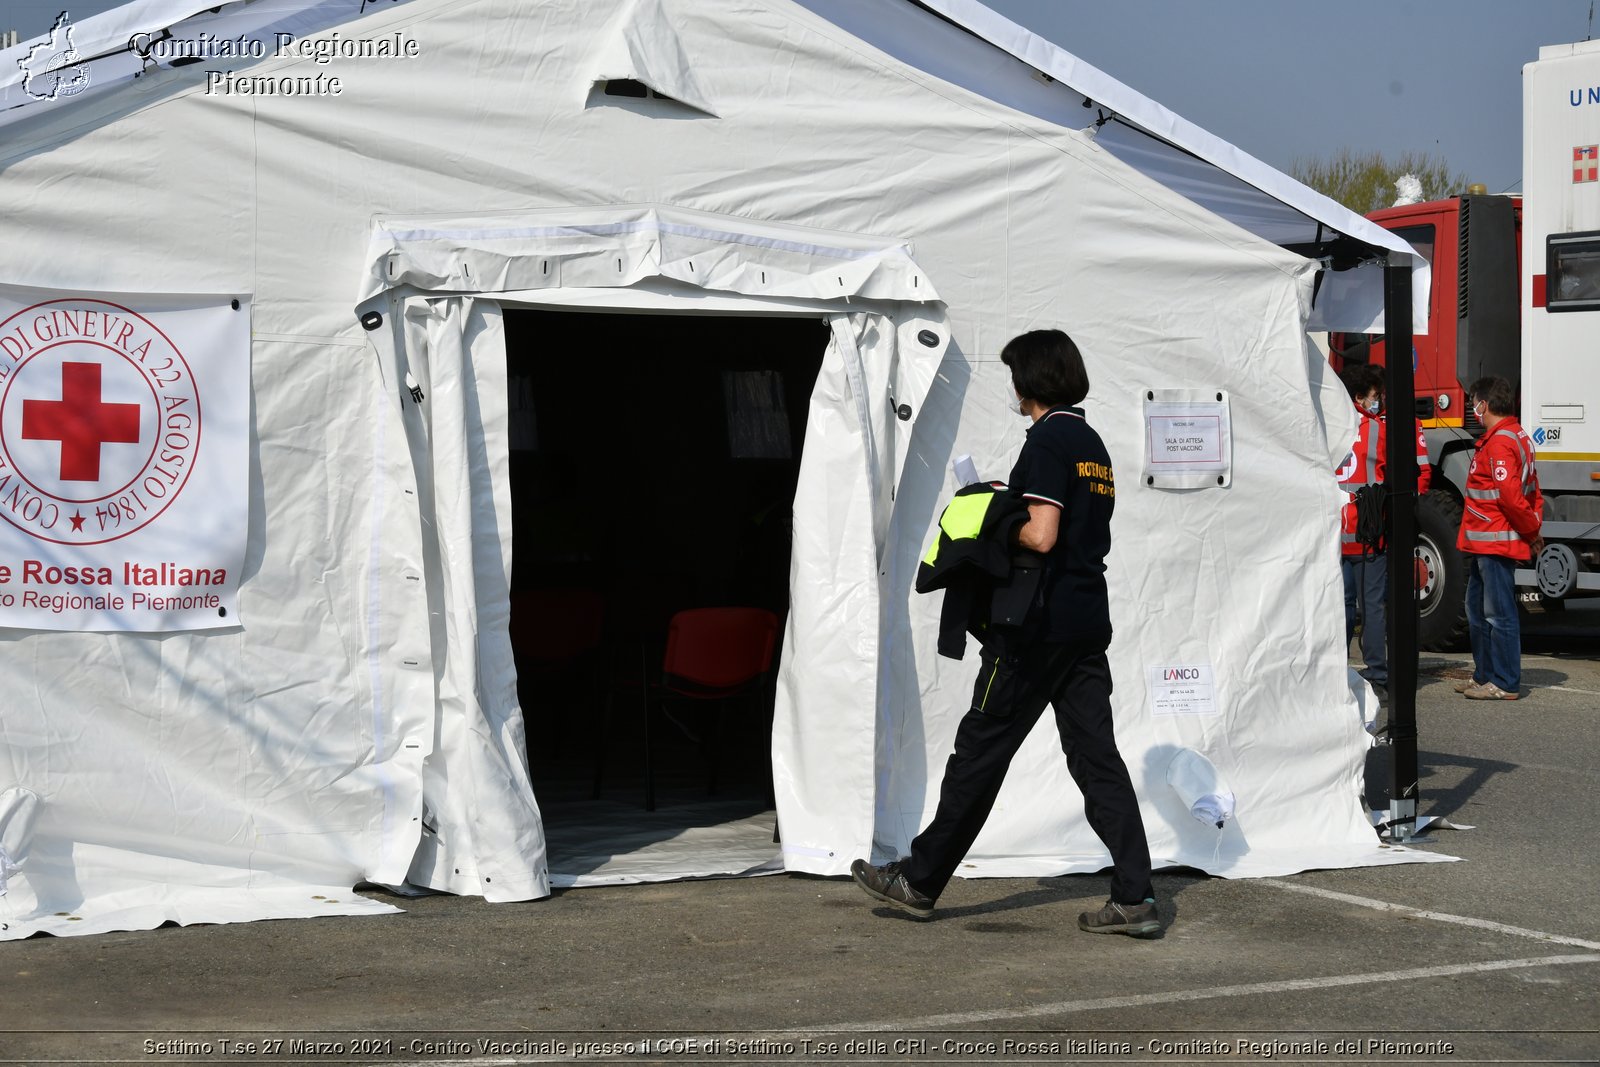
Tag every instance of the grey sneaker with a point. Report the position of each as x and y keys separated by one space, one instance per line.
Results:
x=1466 y=684
x=887 y=884
x=1135 y=920
x=1489 y=691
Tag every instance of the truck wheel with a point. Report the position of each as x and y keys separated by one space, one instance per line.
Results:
x=1441 y=600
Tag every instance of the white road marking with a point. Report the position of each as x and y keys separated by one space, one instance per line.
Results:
x=1177 y=996
x=1436 y=916
x=1252 y=989
x=1567 y=689
x=1072 y=1007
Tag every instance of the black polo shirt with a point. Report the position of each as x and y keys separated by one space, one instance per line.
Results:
x=1065 y=463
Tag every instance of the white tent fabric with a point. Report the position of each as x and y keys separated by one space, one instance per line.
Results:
x=480 y=832
x=1185 y=158
x=641 y=44
x=362 y=723
x=624 y=246
x=18 y=808
x=643 y=47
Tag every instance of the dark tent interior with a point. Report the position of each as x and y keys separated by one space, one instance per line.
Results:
x=653 y=467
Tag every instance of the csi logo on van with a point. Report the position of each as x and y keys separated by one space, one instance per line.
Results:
x=1547 y=436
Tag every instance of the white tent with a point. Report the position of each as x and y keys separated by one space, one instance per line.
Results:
x=916 y=179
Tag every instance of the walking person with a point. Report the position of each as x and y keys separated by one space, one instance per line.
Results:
x=1064 y=475
x=1500 y=522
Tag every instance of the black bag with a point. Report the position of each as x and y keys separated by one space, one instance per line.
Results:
x=1372 y=514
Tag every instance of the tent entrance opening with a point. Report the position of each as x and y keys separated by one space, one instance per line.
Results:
x=654 y=459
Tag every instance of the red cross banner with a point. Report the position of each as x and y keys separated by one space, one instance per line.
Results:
x=124 y=460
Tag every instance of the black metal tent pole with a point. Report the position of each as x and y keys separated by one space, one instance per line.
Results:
x=1401 y=534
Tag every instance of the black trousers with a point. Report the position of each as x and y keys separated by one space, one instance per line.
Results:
x=1008 y=698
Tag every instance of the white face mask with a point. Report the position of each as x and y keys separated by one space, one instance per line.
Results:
x=1371 y=406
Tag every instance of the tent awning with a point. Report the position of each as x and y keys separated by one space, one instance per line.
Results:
x=624 y=245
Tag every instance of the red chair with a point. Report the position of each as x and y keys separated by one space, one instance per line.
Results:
x=713 y=654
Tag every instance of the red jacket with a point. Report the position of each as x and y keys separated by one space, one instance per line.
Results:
x=1367 y=464
x=1503 y=509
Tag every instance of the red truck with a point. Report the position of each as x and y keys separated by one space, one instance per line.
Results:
x=1516 y=293
x=1540 y=329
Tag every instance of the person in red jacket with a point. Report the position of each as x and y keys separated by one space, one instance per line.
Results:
x=1365 y=569
x=1500 y=522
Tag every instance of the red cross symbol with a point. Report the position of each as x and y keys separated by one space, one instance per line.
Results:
x=1586 y=163
x=80 y=421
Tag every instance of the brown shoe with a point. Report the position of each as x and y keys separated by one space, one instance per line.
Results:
x=1489 y=691
x=888 y=884
x=1135 y=920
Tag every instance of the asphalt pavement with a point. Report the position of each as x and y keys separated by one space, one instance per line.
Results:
x=1495 y=959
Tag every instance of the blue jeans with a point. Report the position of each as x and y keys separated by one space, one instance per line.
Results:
x=1367 y=581
x=1492 y=619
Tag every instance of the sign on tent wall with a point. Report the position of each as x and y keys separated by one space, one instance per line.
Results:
x=124 y=435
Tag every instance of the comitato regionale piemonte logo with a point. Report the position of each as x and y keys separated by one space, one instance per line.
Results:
x=52 y=68
x=99 y=421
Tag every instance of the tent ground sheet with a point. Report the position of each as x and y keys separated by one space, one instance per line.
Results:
x=615 y=842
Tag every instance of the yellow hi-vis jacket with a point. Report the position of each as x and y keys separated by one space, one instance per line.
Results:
x=990 y=584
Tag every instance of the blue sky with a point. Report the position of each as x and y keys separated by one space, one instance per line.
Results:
x=1291 y=78
x=1284 y=78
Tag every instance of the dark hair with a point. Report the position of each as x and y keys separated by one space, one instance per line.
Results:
x=1046 y=367
x=1496 y=393
x=1361 y=378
